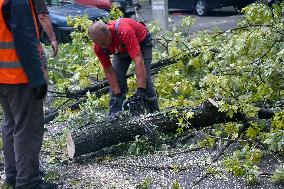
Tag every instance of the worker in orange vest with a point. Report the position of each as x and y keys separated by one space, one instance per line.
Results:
x=22 y=88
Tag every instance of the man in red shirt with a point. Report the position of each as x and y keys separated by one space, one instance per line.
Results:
x=128 y=41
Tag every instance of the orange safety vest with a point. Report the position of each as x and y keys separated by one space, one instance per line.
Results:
x=11 y=71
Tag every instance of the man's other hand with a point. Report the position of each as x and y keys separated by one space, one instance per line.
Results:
x=138 y=102
x=54 y=45
x=140 y=94
x=40 y=92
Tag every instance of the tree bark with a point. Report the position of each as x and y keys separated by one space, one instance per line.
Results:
x=124 y=128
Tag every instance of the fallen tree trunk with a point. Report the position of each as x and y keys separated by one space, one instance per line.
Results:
x=123 y=128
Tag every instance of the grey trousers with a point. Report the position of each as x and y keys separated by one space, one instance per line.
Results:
x=121 y=64
x=22 y=134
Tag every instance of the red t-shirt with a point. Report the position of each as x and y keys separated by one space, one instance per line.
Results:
x=130 y=32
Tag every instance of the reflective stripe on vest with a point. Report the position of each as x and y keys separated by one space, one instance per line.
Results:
x=10 y=65
x=7 y=45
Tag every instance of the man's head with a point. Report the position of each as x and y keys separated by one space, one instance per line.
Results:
x=100 y=34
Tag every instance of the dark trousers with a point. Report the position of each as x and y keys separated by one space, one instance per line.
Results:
x=121 y=64
x=22 y=134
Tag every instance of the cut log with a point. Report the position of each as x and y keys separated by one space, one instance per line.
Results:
x=123 y=128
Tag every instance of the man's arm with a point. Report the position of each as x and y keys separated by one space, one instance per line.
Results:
x=140 y=71
x=108 y=69
x=112 y=79
x=130 y=40
x=43 y=17
x=47 y=27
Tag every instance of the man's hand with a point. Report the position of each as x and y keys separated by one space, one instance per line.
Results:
x=54 y=46
x=140 y=94
x=40 y=92
x=116 y=102
x=48 y=29
x=137 y=98
x=137 y=103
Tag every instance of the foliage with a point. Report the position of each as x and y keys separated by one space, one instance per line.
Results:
x=278 y=121
x=255 y=130
x=278 y=175
x=275 y=141
x=149 y=144
x=176 y=185
x=244 y=163
x=76 y=66
x=206 y=142
x=275 y=138
x=55 y=147
x=52 y=176
x=140 y=146
x=6 y=186
x=145 y=184
x=1 y=144
x=183 y=122
x=231 y=129
x=115 y=13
